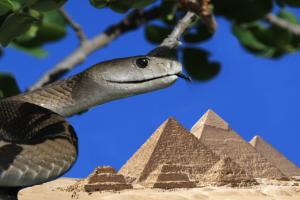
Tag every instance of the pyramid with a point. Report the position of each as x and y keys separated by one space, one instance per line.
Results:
x=169 y=144
x=169 y=177
x=274 y=156
x=227 y=172
x=105 y=178
x=214 y=132
x=210 y=118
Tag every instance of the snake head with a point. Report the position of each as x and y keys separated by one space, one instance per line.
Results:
x=135 y=75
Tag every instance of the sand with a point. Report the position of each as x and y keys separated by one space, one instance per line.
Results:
x=51 y=190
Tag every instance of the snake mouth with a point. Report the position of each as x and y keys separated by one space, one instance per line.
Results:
x=139 y=81
x=180 y=74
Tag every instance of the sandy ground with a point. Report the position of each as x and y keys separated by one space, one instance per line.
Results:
x=50 y=191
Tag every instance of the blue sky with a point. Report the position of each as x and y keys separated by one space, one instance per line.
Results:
x=255 y=95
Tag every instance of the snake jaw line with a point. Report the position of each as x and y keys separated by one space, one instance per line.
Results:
x=139 y=81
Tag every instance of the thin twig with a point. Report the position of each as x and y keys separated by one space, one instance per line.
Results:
x=194 y=7
x=203 y=10
x=293 y=28
x=131 y=22
x=172 y=41
x=75 y=26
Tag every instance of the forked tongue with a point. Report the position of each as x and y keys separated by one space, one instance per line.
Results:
x=185 y=77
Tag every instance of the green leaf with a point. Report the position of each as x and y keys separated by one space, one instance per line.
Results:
x=51 y=28
x=29 y=35
x=243 y=10
x=122 y=6
x=119 y=6
x=27 y=2
x=198 y=66
x=288 y=16
x=247 y=38
x=47 y=5
x=5 y=6
x=270 y=36
x=38 y=52
x=264 y=41
x=133 y=3
x=140 y=3
x=18 y=4
x=1 y=52
x=278 y=37
x=14 y=25
x=99 y=3
x=169 y=9
x=294 y=45
x=8 y=85
x=156 y=34
x=295 y=3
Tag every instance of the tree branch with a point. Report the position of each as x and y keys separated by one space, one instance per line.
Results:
x=131 y=22
x=194 y=7
x=172 y=41
x=75 y=26
x=203 y=10
x=276 y=21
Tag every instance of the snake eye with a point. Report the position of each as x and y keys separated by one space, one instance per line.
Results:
x=142 y=62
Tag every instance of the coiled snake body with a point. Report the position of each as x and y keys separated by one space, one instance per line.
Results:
x=37 y=144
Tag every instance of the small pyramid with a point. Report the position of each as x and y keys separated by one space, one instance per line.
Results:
x=169 y=144
x=225 y=142
x=227 y=172
x=169 y=177
x=106 y=178
x=274 y=156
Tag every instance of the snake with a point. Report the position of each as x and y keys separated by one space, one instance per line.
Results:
x=38 y=144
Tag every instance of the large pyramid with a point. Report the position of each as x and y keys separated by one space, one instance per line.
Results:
x=170 y=144
x=214 y=132
x=227 y=172
x=278 y=159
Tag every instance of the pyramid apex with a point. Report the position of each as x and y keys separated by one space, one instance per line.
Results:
x=171 y=118
x=255 y=139
x=212 y=119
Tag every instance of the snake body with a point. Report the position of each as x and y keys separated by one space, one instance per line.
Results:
x=37 y=144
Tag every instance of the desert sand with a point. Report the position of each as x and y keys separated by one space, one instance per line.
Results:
x=55 y=190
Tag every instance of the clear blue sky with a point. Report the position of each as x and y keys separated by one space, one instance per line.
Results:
x=255 y=95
